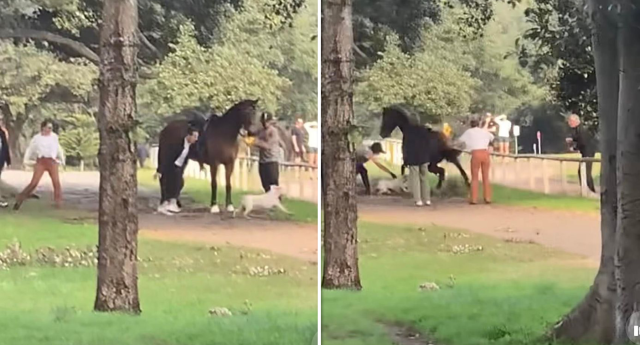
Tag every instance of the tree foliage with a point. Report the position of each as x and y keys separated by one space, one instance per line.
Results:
x=80 y=138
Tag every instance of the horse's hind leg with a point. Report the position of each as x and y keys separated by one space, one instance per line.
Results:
x=214 y=188
x=435 y=169
x=228 y=171
x=456 y=162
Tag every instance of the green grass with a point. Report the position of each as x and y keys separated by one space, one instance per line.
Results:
x=53 y=306
x=200 y=190
x=507 y=294
x=516 y=197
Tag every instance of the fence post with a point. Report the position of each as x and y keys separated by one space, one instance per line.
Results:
x=583 y=180
x=563 y=176
x=532 y=181
x=545 y=176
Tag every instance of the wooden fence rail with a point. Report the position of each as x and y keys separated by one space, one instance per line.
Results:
x=546 y=174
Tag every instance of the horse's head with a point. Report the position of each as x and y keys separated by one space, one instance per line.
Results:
x=393 y=117
x=244 y=114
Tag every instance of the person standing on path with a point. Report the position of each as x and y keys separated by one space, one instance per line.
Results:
x=369 y=153
x=314 y=141
x=297 y=138
x=477 y=140
x=45 y=148
x=143 y=154
x=583 y=141
x=270 y=145
x=416 y=157
x=504 y=134
x=5 y=157
x=171 y=163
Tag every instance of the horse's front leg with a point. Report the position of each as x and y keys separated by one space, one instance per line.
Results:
x=228 y=169
x=435 y=169
x=214 y=188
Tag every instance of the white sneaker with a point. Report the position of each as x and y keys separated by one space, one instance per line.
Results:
x=419 y=204
x=173 y=206
x=428 y=203
x=163 y=208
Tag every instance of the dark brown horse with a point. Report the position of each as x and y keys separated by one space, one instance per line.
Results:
x=422 y=141
x=218 y=143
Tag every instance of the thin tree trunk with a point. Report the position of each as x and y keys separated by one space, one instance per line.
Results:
x=628 y=172
x=594 y=318
x=118 y=220
x=339 y=202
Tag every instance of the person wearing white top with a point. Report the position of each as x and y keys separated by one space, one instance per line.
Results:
x=477 y=141
x=172 y=160
x=45 y=154
x=314 y=141
x=504 y=133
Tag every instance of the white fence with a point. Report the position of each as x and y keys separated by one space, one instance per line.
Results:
x=546 y=174
x=300 y=181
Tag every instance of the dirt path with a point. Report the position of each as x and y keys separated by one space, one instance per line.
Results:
x=577 y=233
x=287 y=238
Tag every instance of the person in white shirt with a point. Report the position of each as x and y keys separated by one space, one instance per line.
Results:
x=314 y=141
x=45 y=154
x=504 y=133
x=172 y=159
x=477 y=141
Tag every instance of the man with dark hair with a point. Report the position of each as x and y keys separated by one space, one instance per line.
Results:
x=298 y=140
x=369 y=153
x=584 y=142
x=172 y=159
x=5 y=156
x=270 y=145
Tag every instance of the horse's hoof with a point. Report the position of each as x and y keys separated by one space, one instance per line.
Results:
x=215 y=209
x=230 y=208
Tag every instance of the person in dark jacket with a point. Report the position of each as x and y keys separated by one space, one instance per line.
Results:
x=416 y=157
x=143 y=154
x=172 y=159
x=583 y=141
x=5 y=156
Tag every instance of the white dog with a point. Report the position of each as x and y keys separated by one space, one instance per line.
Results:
x=386 y=186
x=267 y=200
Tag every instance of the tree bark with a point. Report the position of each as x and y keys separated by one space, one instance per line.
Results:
x=594 y=318
x=118 y=219
x=627 y=258
x=339 y=199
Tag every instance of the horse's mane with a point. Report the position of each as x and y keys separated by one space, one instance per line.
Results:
x=401 y=111
x=243 y=108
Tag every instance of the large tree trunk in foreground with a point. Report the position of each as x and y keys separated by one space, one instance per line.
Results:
x=628 y=173
x=594 y=318
x=339 y=202
x=118 y=218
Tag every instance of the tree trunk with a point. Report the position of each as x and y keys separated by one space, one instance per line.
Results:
x=594 y=318
x=628 y=172
x=339 y=202
x=118 y=220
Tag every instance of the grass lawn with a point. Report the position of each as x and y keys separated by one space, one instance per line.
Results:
x=514 y=197
x=506 y=294
x=178 y=284
x=200 y=190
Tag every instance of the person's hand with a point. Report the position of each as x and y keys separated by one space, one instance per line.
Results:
x=393 y=176
x=157 y=175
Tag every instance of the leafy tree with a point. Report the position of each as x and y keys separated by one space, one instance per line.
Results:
x=81 y=140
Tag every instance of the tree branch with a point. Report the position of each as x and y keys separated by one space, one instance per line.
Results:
x=147 y=44
x=78 y=47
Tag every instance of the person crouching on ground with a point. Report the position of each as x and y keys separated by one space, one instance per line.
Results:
x=369 y=153
x=45 y=148
x=478 y=140
x=170 y=170
x=269 y=144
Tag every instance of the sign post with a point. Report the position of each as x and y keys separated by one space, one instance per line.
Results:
x=539 y=142
x=516 y=134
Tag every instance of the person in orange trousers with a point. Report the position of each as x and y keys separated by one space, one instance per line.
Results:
x=477 y=141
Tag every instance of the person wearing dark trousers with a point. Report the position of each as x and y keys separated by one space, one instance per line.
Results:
x=5 y=157
x=269 y=143
x=369 y=153
x=143 y=154
x=583 y=140
x=172 y=159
